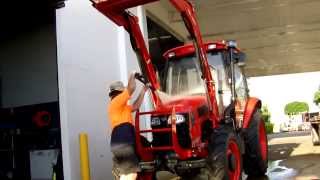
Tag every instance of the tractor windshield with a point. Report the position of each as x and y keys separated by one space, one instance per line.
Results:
x=183 y=77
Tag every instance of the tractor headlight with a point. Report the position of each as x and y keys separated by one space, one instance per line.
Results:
x=155 y=121
x=171 y=54
x=166 y=120
x=179 y=119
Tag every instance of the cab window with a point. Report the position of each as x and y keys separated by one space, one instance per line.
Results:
x=240 y=84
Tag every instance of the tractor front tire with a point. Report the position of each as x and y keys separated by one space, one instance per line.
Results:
x=225 y=160
x=256 y=147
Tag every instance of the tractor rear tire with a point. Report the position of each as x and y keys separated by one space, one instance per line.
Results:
x=256 y=147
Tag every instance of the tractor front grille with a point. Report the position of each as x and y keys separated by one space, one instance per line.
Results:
x=161 y=139
x=165 y=139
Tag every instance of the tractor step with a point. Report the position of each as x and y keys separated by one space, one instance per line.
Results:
x=173 y=163
x=183 y=165
x=148 y=166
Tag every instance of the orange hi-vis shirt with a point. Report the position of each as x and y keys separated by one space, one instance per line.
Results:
x=119 y=110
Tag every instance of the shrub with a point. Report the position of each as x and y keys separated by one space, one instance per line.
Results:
x=269 y=127
x=265 y=113
x=316 y=98
x=266 y=116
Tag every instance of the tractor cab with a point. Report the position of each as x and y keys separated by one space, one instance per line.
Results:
x=182 y=74
x=182 y=88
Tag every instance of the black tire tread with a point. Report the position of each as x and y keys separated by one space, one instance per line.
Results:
x=217 y=150
x=215 y=169
x=254 y=165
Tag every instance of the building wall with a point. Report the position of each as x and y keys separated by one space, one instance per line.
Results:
x=276 y=91
x=28 y=68
x=92 y=52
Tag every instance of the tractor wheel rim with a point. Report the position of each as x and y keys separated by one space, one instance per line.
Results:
x=263 y=140
x=233 y=153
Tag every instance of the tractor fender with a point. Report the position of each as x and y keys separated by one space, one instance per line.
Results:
x=251 y=105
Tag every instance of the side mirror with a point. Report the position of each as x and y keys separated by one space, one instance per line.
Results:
x=240 y=58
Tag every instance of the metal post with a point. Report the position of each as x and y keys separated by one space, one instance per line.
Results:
x=84 y=157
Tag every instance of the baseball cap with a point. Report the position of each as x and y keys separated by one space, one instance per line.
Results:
x=116 y=86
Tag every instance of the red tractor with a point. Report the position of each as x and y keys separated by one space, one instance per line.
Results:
x=204 y=124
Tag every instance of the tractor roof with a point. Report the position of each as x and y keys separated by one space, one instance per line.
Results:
x=189 y=49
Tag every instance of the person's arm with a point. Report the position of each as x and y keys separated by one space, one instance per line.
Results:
x=137 y=103
x=131 y=83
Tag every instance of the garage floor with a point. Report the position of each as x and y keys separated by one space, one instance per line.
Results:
x=291 y=156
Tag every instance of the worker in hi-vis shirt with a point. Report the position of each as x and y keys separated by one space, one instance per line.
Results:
x=123 y=132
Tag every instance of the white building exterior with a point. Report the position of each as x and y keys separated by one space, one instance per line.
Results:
x=92 y=52
x=278 y=90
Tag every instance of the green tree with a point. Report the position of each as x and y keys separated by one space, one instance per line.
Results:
x=295 y=108
x=316 y=98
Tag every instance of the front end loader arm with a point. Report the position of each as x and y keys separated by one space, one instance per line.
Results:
x=187 y=13
x=116 y=11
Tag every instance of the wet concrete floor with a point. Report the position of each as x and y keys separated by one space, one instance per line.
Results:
x=298 y=155
x=276 y=172
x=291 y=157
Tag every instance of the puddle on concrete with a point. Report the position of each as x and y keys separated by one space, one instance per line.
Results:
x=276 y=172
